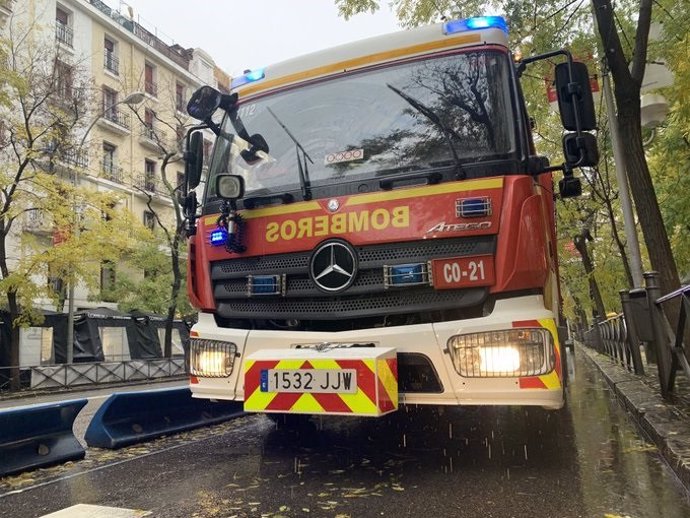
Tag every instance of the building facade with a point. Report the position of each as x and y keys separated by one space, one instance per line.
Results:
x=140 y=86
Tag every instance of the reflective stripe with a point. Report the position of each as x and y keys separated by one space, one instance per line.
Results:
x=552 y=380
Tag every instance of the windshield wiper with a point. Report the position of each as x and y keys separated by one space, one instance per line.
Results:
x=433 y=117
x=303 y=169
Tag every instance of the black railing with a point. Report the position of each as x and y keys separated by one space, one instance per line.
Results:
x=112 y=172
x=68 y=375
x=110 y=62
x=75 y=158
x=149 y=183
x=658 y=322
x=117 y=117
x=64 y=33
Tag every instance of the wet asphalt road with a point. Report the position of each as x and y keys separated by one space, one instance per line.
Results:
x=585 y=461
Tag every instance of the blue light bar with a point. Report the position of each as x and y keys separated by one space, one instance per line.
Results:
x=405 y=275
x=476 y=23
x=265 y=285
x=219 y=237
x=473 y=207
x=249 y=77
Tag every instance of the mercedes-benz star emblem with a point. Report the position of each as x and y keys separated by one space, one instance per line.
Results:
x=333 y=266
x=333 y=205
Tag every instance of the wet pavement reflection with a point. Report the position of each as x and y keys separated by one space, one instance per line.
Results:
x=584 y=461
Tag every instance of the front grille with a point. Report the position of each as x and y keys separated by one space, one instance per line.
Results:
x=366 y=297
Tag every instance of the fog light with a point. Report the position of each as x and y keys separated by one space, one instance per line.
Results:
x=211 y=358
x=502 y=354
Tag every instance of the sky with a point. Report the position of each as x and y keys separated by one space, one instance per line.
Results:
x=242 y=35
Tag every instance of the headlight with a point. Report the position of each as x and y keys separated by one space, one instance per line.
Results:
x=503 y=354
x=211 y=358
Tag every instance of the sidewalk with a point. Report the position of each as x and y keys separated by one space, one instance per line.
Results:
x=666 y=424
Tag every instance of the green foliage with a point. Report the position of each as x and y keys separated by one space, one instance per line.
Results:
x=151 y=291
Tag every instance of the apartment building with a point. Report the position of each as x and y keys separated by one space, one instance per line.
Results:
x=142 y=84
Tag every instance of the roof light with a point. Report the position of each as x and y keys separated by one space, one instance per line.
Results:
x=249 y=77
x=476 y=23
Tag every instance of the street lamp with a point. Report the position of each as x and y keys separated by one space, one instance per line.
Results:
x=131 y=100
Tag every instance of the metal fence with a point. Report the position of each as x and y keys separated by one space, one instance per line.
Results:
x=69 y=375
x=657 y=323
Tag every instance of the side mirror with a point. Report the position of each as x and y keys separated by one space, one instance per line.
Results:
x=204 y=102
x=194 y=159
x=229 y=186
x=575 y=97
x=569 y=186
x=257 y=143
x=580 y=151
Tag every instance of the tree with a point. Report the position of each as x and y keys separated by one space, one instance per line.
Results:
x=45 y=113
x=534 y=22
x=627 y=75
x=171 y=231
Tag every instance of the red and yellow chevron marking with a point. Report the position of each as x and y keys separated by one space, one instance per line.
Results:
x=554 y=379
x=377 y=388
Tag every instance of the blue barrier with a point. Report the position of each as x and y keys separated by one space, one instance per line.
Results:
x=132 y=417
x=38 y=435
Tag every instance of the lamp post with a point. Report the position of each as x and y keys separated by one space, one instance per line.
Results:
x=131 y=100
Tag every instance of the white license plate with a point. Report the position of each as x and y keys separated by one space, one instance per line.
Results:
x=328 y=381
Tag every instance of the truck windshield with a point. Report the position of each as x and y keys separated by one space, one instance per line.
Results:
x=416 y=115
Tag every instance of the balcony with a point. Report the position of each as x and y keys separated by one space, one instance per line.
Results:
x=110 y=62
x=116 y=121
x=74 y=158
x=150 y=184
x=64 y=34
x=151 y=88
x=153 y=138
x=112 y=173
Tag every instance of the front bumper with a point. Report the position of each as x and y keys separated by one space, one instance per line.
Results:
x=429 y=340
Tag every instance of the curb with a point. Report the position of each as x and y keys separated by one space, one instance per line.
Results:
x=662 y=422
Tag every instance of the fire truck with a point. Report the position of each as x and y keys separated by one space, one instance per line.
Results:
x=377 y=229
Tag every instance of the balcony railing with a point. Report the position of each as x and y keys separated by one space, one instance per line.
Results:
x=117 y=117
x=112 y=172
x=151 y=88
x=110 y=62
x=149 y=183
x=64 y=34
x=153 y=137
x=75 y=158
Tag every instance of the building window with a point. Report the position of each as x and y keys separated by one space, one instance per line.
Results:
x=180 y=100
x=149 y=220
x=110 y=169
x=63 y=80
x=63 y=30
x=150 y=86
x=149 y=131
x=110 y=104
x=110 y=61
x=150 y=175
